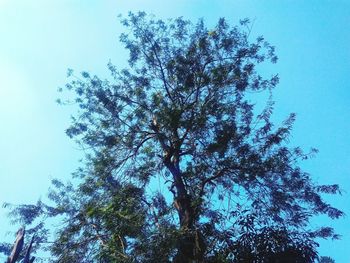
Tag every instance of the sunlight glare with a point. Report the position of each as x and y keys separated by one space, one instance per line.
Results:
x=15 y=96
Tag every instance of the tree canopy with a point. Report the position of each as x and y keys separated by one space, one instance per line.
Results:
x=180 y=166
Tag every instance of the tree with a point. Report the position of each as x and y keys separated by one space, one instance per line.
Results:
x=182 y=116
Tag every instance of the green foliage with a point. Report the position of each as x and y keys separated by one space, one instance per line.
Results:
x=182 y=115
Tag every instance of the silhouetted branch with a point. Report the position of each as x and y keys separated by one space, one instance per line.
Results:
x=18 y=247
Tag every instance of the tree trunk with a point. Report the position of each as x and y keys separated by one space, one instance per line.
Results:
x=191 y=246
x=17 y=247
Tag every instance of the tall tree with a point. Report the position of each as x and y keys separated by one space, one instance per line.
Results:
x=180 y=167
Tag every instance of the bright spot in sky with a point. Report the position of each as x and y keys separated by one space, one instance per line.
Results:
x=20 y=139
x=3 y=2
x=16 y=99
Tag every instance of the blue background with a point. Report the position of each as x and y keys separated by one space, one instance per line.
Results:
x=40 y=39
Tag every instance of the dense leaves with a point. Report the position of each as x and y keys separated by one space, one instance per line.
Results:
x=179 y=165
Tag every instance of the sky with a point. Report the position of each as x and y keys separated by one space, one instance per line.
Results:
x=40 y=39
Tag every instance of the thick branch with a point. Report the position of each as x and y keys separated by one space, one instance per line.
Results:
x=27 y=258
x=17 y=247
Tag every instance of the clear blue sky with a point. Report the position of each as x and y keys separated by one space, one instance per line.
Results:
x=40 y=39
